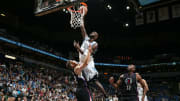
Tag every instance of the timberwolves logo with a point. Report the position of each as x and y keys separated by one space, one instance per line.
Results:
x=128 y=82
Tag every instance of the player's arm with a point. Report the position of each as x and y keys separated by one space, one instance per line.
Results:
x=146 y=85
x=94 y=48
x=77 y=46
x=83 y=31
x=139 y=78
x=117 y=84
x=82 y=66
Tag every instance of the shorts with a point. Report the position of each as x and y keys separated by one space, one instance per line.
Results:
x=140 y=97
x=94 y=79
x=83 y=94
x=130 y=98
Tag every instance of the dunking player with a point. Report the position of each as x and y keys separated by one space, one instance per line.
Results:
x=140 y=90
x=128 y=85
x=82 y=92
x=90 y=72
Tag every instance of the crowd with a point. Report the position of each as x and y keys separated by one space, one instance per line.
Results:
x=19 y=82
x=29 y=82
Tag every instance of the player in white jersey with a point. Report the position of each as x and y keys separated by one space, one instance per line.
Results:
x=90 y=72
x=140 y=90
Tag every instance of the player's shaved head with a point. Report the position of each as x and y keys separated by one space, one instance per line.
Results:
x=94 y=35
x=131 y=68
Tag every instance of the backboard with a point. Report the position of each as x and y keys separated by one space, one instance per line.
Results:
x=43 y=7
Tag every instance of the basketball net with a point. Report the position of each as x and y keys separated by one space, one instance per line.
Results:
x=76 y=17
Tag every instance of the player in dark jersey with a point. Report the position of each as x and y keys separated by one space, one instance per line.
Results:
x=82 y=92
x=128 y=85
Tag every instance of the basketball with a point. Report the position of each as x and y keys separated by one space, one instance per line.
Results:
x=83 y=10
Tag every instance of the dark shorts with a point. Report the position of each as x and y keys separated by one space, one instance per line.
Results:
x=130 y=98
x=83 y=94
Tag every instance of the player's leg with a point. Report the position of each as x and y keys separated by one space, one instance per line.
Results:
x=99 y=85
x=101 y=88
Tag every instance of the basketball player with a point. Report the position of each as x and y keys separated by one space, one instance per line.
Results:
x=128 y=85
x=140 y=90
x=91 y=74
x=82 y=92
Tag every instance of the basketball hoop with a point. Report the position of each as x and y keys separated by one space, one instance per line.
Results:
x=77 y=14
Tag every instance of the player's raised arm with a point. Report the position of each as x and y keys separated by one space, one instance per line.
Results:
x=139 y=78
x=77 y=46
x=83 y=31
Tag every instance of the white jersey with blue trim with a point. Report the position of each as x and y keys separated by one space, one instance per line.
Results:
x=90 y=70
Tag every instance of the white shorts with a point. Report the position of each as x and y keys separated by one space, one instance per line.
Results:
x=140 y=97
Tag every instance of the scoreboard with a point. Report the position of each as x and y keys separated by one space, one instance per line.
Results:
x=43 y=7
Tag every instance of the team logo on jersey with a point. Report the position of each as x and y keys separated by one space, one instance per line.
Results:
x=128 y=82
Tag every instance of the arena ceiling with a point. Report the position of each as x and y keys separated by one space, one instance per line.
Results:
x=115 y=39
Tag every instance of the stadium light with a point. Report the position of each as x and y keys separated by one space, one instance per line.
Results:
x=64 y=10
x=127 y=7
x=126 y=24
x=3 y=14
x=109 y=7
x=10 y=57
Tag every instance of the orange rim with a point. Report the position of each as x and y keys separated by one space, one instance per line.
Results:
x=71 y=10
